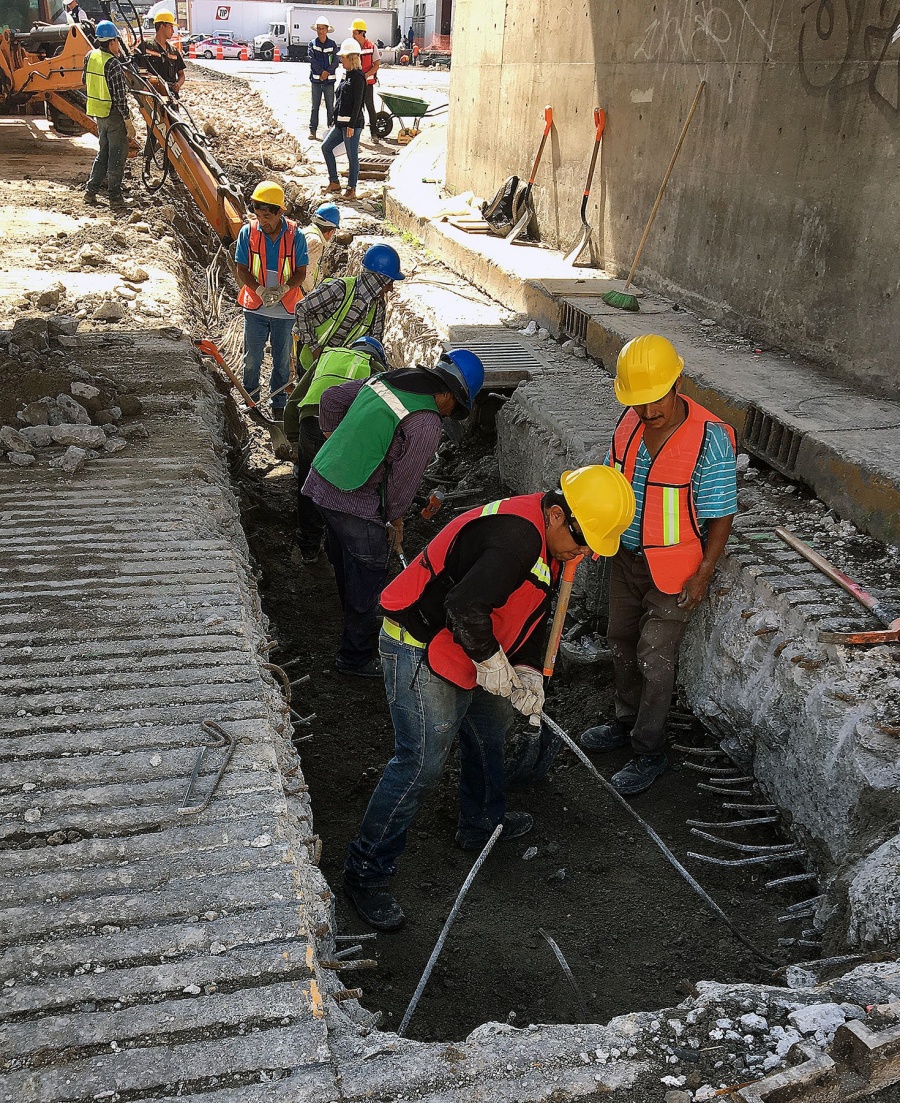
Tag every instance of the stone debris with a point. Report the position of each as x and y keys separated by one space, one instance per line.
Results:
x=85 y=436
x=90 y=256
x=110 y=311
x=84 y=390
x=821 y=1019
x=11 y=440
x=20 y=459
x=71 y=461
x=133 y=273
x=114 y=444
x=49 y=298
x=73 y=412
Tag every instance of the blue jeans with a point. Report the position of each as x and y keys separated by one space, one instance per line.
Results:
x=319 y=89
x=358 y=550
x=428 y=713
x=110 y=162
x=257 y=330
x=333 y=139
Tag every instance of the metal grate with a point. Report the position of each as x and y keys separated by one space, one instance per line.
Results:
x=574 y=322
x=773 y=442
x=507 y=359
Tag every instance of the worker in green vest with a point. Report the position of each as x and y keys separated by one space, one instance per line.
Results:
x=381 y=435
x=107 y=104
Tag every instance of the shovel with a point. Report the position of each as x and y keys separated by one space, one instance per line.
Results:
x=599 y=123
x=528 y=209
x=281 y=446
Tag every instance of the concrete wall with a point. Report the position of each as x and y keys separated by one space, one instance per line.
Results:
x=782 y=216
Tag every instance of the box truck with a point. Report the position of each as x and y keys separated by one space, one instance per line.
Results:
x=290 y=28
x=244 y=19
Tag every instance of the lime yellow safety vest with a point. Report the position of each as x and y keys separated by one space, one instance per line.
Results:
x=99 y=102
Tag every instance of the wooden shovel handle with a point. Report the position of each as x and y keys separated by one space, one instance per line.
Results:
x=559 y=617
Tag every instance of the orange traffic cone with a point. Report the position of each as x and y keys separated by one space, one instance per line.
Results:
x=243 y=54
x=220 y=53
x=277 y=55
x=192 y=52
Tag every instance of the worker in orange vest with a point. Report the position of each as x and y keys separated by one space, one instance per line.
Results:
x=370 y=59
x=271 y=259
x=680 y=460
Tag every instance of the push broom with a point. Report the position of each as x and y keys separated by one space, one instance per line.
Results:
x=622 y=299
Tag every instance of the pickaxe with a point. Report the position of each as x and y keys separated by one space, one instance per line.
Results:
x=891 y=634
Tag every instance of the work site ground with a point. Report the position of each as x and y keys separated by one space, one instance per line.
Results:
x=154 y=584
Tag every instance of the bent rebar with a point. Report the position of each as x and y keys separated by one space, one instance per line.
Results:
x=221 y=738
x=746 y=848
x=734 y=823
x=759 y=860
x=573 y=983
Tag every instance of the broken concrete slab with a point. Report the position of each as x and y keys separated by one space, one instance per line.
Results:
x=71 y=461
x=85 y=436
x=11 y=440
x=72 y=411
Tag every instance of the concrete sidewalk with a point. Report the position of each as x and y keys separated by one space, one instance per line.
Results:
x=810 y=426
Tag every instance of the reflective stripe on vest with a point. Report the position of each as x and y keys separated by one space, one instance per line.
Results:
x=513 y=623
x=330 y=326
x=99 y=101
x=670 y=531
x=284 y=266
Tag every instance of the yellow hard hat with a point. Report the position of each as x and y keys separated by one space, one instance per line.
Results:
x=602 y=502
x=646 y=370
x=164 y=17
x=358 y=25
x=267 y=191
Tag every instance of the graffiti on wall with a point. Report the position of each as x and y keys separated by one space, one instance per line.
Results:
x=709 y=33
x=844 y=44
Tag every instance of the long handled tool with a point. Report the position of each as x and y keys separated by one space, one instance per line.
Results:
x=527 y=209
x=622 y=299
x=281 y=446
x=890 y=619
x=599 y=124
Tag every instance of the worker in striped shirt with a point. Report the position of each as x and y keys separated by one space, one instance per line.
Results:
x=680 y=460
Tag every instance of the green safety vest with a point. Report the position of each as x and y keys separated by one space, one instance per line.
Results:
x=335 y=366
x=99 y=103
x=325 y=331
x=359 y=444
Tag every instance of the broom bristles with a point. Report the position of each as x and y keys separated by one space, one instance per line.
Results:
x=621 y=300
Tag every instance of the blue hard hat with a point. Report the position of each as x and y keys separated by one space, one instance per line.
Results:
x=385 y=260
x=371 y=345
x=106 y=31
x=329 y=213
x=463 y=372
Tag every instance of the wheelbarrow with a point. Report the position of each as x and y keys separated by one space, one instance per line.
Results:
x=399 y=107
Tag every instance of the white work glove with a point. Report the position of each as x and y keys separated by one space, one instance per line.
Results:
x=272 y=295
x=497 y=676
x=529 y=700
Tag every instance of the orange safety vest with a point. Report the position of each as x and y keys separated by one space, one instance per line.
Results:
x=670 y=531
x=522 y=613
x=367 y=60
x=249 y=299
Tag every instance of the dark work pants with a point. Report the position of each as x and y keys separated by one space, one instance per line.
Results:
x=646 y=628
x=369 y=104
x=310 y=526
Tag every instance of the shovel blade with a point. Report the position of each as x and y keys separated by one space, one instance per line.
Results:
x=582 y=242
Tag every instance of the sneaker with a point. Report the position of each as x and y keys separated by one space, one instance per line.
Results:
x=606 y=737
x=515 y=824
x=376 y=905
x=639 y=774
x=371 y=669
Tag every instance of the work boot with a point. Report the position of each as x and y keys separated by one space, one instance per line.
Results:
x=606 y=737
x=515 y=824
x=639 y=774
x=278 y=413
x=90 y=198
x=120 y=203
x=333 y=187
x=309 y=553
x=312 y=136
x=376 y=905
x=371 y=669
x=350 y=193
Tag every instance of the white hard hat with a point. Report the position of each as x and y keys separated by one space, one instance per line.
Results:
x=349 y=46
x=321 y=23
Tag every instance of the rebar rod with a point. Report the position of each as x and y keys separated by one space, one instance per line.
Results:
x=573 y=983
x=718 y=771
x=750 y=807
x=355 y=937
x=724 y=792
x=341 y=954
x=442 y=938
x=734 y=823
x=801 y=905
x=745 y=780
x=708 y=752
x=746 y=848
x=794 y=879
x=759 y=860
x=692 y=881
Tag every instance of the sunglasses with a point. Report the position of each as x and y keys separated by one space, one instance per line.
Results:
x=576 y=533
x=268 y=208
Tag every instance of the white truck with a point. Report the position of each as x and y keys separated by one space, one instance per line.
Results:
x=243 y=19
x=290 y=29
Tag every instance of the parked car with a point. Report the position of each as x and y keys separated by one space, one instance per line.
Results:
x=231 y=48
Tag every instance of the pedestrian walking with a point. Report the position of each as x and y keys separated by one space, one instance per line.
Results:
x=370 y=60
x=348 y=120
x=462 y=653
x=680 y=460
x=323 y=63
x=107 y=104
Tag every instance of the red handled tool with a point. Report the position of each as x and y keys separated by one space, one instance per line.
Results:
x=527 y=210
x=599 y=124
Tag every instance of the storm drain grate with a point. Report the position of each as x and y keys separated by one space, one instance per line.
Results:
x=507 y=359
x=574 y=322
x=773 y=442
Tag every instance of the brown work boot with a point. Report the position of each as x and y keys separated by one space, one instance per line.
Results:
x=333 y=186
x=350 y=193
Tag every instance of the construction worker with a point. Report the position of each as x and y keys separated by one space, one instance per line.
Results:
x=364 y=357
x=271 y=260
x=370 y=60
x=461 y=648
x=381 y=435
x=680 y=460
x=348 y=120
x=323 y=63
x=318 y=235
x=75 y=15
x=107 y=104
x=160 y=57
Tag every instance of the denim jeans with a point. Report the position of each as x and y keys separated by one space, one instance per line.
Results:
x=358 y=550
x=257 y=330
x=110 y=162
x=333 y=139
x=310 y=525
x=428 y=713
x=319 y=89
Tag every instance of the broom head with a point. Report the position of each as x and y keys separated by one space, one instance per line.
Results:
x=621 y=300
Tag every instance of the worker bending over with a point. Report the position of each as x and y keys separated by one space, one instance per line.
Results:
x=680 y=460
x=160 y=57
x=382 y=434
x=271 y=262
x=107 y=104
x=462 y=651
x=318 y=236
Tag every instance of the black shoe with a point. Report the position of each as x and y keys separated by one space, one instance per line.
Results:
x=90 y=197
x=376 y=905
x=606 y=737
x=278 y=413
x=515 y=824
x=309 y=553
x=639 y=774
x=371 y=669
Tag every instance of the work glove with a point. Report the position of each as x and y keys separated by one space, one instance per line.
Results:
x=272 y=295
x=129 y=130
x=497 y=676
x=529 y=700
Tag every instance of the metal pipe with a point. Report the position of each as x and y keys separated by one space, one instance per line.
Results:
x=573 y=984
x=442 y=938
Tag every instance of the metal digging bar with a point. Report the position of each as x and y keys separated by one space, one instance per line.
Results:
x=695 y=885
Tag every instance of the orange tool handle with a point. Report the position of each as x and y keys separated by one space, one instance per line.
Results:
x=548 y=123
x=600 y=124
x=208 y=348
x=562 y=607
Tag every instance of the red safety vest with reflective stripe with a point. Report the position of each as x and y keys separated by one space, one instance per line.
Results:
x=513 y=622
x=257 y=265
x=670 y=532
x=367 y=60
